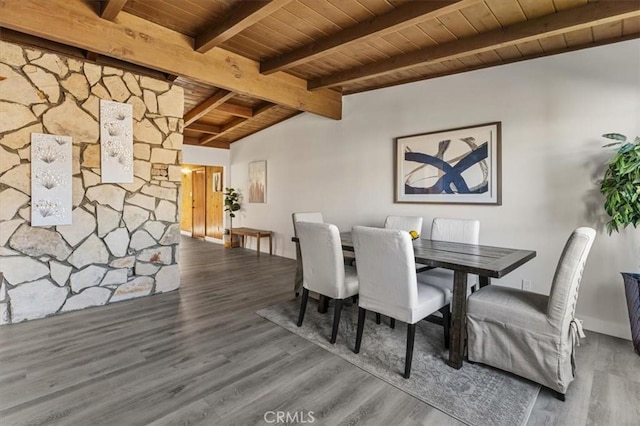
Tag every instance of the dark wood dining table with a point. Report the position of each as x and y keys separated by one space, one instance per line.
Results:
x=485 y=261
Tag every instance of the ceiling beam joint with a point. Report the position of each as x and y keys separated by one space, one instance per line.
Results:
x=246 y=14
x=203 y=128
x=111 y=8
x=236 y=123
x=202 y=109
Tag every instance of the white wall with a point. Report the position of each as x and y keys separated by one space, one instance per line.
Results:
x=552 y=111
x=204 y=156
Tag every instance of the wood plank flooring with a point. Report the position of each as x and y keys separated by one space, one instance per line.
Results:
x=201 y=356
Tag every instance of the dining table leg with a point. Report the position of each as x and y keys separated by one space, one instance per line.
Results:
x=485 y=281
x=458 y=314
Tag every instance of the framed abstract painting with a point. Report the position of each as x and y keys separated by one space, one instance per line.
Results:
x=459 y=166
x=258 y=182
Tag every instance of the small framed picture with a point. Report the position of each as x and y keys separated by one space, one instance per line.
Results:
x=217 y=182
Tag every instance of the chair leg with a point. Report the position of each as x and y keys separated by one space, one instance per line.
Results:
x=336 y=320
x=362 y=314
x=446 y=323
x=411 y=335
x=303 y=305
x=393 y=323
x=323 y=304
x=378 y=318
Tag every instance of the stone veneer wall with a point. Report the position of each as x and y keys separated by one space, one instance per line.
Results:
x=123 y=242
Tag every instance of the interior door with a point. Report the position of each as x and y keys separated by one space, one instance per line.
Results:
x=198 y=199
x=186 y=205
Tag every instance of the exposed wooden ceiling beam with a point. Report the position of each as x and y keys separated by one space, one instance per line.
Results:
x=144 y=43
x=404 y=16
x=235 y=123
x=214 y=144
x=231 y=125
x=127 y=66
x=237 y=110
x=111 y=8
x=220 y=97
x=241 y=17
x=494 y=64
x=219 y=144
x=203 y=128
x=74 y=52
x=568 y=20
x=40 y=43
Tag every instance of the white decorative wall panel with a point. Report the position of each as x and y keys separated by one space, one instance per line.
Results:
x=116 y=142
x=51 y=192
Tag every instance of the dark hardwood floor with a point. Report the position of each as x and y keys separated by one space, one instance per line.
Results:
x=202 y=356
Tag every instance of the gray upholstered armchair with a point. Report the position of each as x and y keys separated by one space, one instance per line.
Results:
x=529 y=334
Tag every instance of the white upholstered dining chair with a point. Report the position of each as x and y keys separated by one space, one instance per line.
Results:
x=388 y=285
x=324 y=268
x=404 y=223
x=456 y=231
x=529 y=334
x=315 y=217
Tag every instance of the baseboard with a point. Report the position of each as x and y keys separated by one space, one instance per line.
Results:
x=214 y=240
x=187 y=233
x=609 y=328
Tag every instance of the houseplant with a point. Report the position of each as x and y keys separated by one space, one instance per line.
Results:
x=231 y=205
x=621 y=189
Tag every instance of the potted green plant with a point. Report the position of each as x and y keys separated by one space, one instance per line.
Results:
x=231 y=205
x=621 y=189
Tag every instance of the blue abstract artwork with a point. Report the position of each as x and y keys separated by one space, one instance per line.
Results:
x=450 y=166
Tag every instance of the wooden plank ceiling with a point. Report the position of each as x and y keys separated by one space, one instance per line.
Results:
x=246 y=65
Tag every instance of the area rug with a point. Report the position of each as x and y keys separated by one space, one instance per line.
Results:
x=476 y=395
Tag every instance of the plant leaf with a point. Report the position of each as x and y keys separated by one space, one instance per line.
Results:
x=626 y=148
x=615 y=136
x=611 y=144
x=621 y=184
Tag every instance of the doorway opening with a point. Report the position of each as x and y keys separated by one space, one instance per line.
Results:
x=202 y=202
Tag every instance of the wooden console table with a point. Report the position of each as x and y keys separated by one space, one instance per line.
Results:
x=251 y=232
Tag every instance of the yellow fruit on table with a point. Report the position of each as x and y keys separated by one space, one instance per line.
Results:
x=414 y=234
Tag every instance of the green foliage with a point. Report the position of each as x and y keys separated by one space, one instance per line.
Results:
x=231 y=201
x=621 y=183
